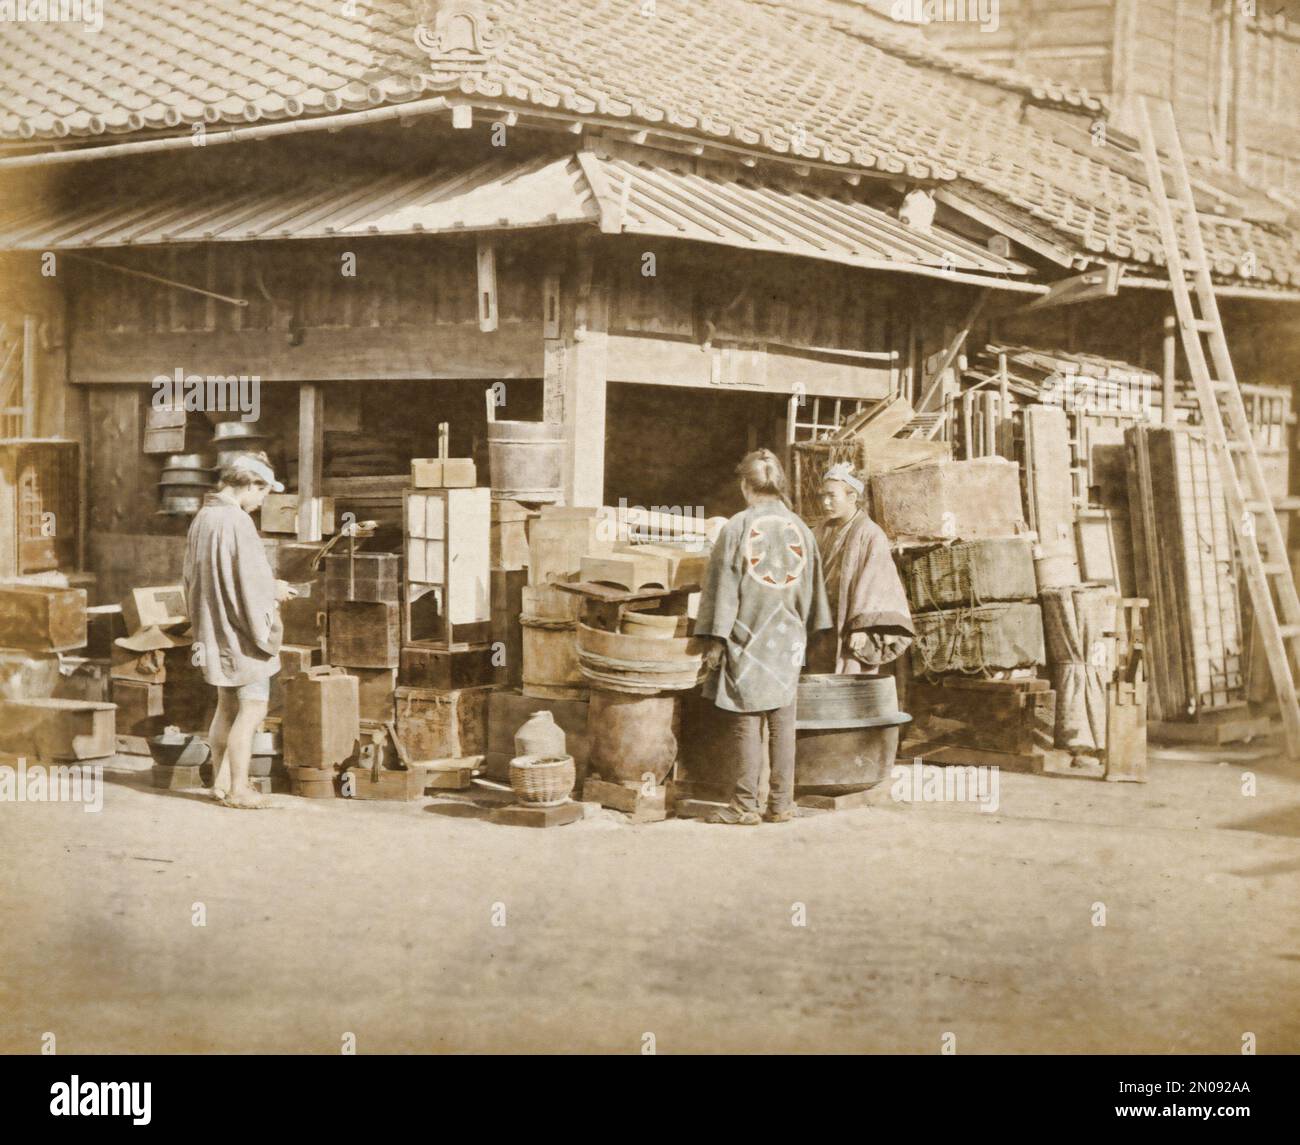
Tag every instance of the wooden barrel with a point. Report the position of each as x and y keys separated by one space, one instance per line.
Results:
x=633 y=736
x=548 y=623
x=526 y=459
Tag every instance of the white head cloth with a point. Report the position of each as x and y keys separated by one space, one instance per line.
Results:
x=250 y=464
x=842 y=472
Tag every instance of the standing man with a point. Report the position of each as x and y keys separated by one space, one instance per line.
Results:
x=873 y=623
x=762 y=597
x=234 y=603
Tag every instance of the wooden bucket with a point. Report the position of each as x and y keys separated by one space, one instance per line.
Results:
x=641 y=665
x=526 y=460
x=312 y=782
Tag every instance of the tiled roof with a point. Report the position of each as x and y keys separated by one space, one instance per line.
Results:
x=799 y=79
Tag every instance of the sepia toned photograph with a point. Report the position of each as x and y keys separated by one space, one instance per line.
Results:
x=650 y=527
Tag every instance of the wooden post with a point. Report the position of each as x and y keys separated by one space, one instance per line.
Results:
x=575 y=380
x=311 y=449
x=584 y=403
x=487 y=286
x=30 y=329
x=1169 y=373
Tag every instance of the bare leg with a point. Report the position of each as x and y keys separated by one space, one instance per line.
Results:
x=239 y=747
x=218 y=735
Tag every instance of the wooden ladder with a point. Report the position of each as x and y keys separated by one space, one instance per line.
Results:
x=1223 y=414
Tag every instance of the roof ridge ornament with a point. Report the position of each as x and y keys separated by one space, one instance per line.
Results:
x=459 y=36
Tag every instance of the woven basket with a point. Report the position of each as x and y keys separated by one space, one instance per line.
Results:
x=543 y=780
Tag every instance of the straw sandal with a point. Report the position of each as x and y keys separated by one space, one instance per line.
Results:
x=733 y=818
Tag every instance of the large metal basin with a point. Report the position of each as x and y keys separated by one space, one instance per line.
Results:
x=847 y=733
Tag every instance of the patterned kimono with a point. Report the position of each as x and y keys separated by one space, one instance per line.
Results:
x=867 y=595
x=764 y=596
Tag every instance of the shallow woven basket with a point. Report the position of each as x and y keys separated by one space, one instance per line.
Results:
x=543 y=780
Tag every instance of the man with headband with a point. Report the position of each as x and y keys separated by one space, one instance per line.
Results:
x=234 y=604
x=873 y=623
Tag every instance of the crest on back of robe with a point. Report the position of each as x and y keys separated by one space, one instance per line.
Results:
x=764 y=595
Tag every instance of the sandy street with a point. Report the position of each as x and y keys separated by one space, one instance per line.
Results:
x=324 y=919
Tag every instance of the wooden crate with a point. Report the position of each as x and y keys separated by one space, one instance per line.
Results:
x=140 y=707
x=322 y=722
x=42 y=618
x=442 y=725
x=374 y=577
x=375 y=691
x=1015 y=716
x=364 y=634
x=443 y=669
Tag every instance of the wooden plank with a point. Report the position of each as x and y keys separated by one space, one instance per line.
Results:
x=391 y=353
x=30 y=344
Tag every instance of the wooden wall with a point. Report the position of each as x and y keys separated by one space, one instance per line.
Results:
x=1235 y=85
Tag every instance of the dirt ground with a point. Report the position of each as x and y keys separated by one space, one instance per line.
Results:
x=325 y=919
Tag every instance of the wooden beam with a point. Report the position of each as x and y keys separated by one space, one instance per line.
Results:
x=311 y=450
x=376 y=353
x=987 y=217
x=950 y=354
x=1086 y=287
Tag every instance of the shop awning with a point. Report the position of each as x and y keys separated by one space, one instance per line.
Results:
x=616 y=195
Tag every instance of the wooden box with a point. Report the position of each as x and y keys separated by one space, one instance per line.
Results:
x=322 y=720
x=558 y=540
x=375 y=690
x=140 y=707
x=953 y=500
x=42 y=618
x=510 y=535
x=295 y=659
x=680 y=567
x=304 y=621
x=363 y=577
x=57 y=729
x=444 y=669
x=386 y=785
x=280 y=514
x=163 y=606
x=39 y=506
x=442 y=725
x=443 y=473
x=364 y=635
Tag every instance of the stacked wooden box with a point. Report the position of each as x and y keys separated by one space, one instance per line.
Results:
x=39 y=622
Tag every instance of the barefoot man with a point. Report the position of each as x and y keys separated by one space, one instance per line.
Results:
x=873 y=624
x=234 y=602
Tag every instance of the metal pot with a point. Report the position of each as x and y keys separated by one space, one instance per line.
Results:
x=179 y=504
x=186 y=477
x=185 y=461
x=237 y=431
x=846 y=701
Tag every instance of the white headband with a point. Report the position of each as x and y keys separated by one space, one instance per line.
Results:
x=257 y=469
x=842 y=472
